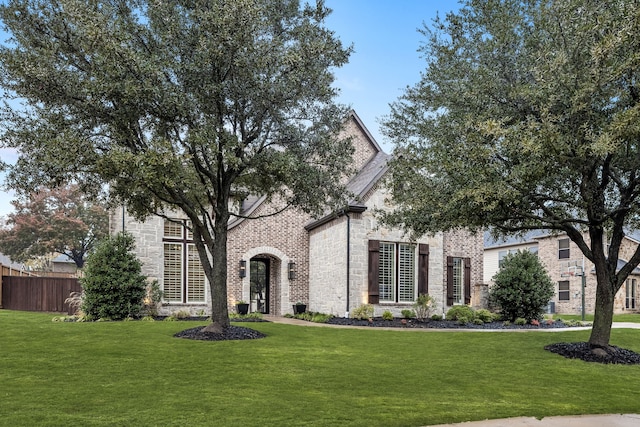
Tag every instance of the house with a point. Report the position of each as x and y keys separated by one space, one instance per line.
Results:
x=566 y=266
x=333 y=264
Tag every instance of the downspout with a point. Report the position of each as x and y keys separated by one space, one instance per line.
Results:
x=346 y=213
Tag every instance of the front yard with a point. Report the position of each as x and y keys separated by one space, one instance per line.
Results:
x=137 y=373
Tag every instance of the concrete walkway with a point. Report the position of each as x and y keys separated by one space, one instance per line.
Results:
x=618 y=420
x=612 y=420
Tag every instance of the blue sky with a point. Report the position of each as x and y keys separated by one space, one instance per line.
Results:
x=384 y=62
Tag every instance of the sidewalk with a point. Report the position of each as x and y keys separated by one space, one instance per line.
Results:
x=619 y=420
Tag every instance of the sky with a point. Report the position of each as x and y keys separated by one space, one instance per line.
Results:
x=385 y=39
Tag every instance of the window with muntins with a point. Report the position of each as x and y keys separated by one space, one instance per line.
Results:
x=563 y=290
x=630 y=299
x=184 y=279
x=396 y=272
x=563 y=249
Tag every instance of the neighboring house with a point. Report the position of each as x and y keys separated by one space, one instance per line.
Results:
x=10 y=268
x=333 y=264
x=565 y=264
x=63 y=264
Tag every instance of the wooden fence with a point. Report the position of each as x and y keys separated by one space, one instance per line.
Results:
x=37 y=293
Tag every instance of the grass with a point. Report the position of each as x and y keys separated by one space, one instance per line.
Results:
x=136 y=373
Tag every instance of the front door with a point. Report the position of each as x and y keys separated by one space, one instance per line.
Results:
x=259 y=275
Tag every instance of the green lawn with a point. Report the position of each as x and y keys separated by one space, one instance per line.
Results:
x=137 y=374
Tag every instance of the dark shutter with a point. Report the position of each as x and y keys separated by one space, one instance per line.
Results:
x=374 y=263
x=449 y=281
x=467 y=280
x=423 y=269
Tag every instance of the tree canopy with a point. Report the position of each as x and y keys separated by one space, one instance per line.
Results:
x=61 y=220
x=527 y=117
x=180 y=105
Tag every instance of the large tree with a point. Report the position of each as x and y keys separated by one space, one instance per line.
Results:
x=181 y=105
x=62 y=220
x=527 y=117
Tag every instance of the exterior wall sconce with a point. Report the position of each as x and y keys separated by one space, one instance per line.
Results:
x=243 y=268
x=292 y=270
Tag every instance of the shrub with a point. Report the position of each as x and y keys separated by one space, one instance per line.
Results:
x=152 y=299
x=113 y=285
x=458 y=311
x=463 y=319
x=408 y=314
x=387 y=315
x=484 y=315
x=522 y=287
x=423 y=306
x=478 y=321
x=321 y=317
x=520 y=321
x=436 y=317
x=364 y=311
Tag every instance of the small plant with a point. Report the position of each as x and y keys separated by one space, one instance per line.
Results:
x=201 y=313
x=182 y=314
x=436 y=317
x=152 y=299
x=535 y=322
x=484 y=315
x=148 y=319
x=321 y=317
x=75 y=301
x=423 y=306
x=458 y=311
x=549 y=322
x=387 y=315
x=408 y=314
x=478 y=321
x=362 y=312
x=240 y=302
x=520 y=321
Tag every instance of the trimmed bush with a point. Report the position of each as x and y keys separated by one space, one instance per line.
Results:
x=460 y=311
x=408 y=314
x=387 y=315
x=113 y=285
x=522 y=287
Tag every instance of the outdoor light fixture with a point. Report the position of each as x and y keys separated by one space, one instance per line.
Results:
x=243 y=268
x=292 y=270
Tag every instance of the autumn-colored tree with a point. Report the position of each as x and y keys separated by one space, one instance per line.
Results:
x=59 y=220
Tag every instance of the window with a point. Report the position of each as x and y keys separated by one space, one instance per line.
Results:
x=503 y=254
x=563 y=290
x=458 y=280
x=398 y=272
x=184 y=279
x=630 y=299
x=563 y=249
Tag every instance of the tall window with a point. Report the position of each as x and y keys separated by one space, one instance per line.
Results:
x=184 y=279
x=458 y=281
x=630 y=300
x=396 y=272
x=563 y=249
x=563 y=290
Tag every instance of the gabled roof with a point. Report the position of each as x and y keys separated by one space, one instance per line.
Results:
x=529 y=237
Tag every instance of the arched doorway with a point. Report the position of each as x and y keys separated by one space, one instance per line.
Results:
x=259 y=274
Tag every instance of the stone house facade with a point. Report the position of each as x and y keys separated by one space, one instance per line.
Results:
x=565 y=264
x=332 y=264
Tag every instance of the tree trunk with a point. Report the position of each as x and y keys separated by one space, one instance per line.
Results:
x=601 y=330
x=218 y=283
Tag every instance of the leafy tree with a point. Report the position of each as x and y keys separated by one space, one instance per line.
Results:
x=179 y=106
x=113 y=284
x=522 y=287
x=59 y=220
x=525 y=118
